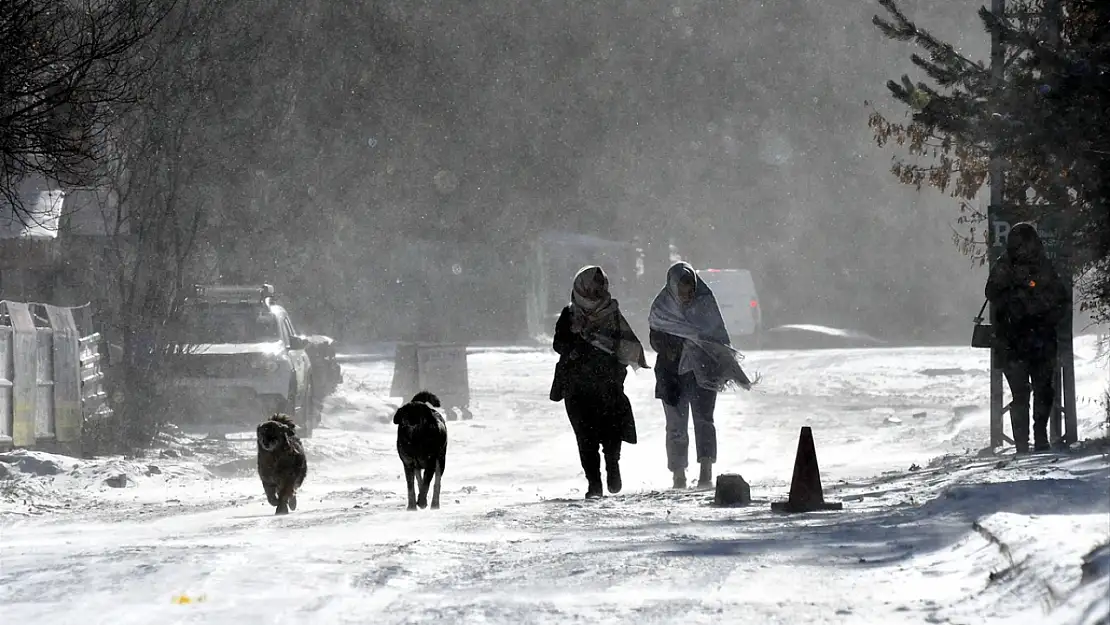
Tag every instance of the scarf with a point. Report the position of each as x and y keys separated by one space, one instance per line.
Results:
x=716 y=363
x=596 y=317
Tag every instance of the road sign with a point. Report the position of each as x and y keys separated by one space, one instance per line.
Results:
x=1047 y=227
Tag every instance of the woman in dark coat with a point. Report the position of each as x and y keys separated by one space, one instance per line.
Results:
x=694 y=362
x=595 y=345
x=1030 y=300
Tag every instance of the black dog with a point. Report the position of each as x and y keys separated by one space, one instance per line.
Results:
x=282 y=465
x=422 y=444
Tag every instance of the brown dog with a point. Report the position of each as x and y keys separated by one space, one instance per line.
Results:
x=282 y=465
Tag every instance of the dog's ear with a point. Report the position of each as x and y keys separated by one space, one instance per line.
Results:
x=427 y=398
x=397 y=416
x=284 y=420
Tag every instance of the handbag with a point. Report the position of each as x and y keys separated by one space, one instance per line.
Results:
x=982 y=336
x=556 y=392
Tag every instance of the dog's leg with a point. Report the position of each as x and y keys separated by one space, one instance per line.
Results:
x=410 y=475
x=435 y=490
x=284 y=496
x=293 y=501
x=271 y=492
x=425 y=482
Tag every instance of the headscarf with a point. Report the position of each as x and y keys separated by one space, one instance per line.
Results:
x=596 y=317
x=1024 y=245
x=700 y=324
x=1033 y=286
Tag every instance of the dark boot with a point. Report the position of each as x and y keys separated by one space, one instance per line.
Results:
x=1040 y=443
x=613 y=474
x=705 y=477
x=594 y=490
x=591 y=466
x=1040 y=437
x=679 y=479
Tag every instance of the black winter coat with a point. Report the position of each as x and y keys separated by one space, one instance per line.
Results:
x=587 y=373
x=1029 y=300
x=668 y=353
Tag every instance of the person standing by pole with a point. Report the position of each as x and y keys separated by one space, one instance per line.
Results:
x=1029 y=300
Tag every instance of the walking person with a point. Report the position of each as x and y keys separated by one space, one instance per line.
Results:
x=1029 y=301
x=595 y=346
x=695 y=361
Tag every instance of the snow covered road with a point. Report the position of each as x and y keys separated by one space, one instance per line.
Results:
x=958 y=539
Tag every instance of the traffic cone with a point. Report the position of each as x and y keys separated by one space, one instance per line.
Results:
x=806 y=494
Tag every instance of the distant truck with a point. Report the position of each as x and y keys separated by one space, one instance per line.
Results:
x=236 y=358
x=739 y=302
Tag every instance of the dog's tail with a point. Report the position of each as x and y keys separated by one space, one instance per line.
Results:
x=427 y=398
x=284 y=419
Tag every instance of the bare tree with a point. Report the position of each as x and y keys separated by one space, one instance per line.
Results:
x=68 y=70
x=178 y=153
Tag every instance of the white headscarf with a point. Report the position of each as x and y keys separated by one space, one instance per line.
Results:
x=716 y=364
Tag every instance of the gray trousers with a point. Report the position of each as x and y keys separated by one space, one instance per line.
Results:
x=697 y=401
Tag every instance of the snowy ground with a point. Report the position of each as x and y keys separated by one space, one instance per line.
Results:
x=931 y=531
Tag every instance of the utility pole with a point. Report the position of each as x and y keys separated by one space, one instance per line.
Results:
x=994 y=210
x=1065 y=371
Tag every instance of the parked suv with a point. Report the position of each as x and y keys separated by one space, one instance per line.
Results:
x=236 y=358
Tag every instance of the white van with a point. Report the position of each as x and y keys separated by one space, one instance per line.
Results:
x=735 y=291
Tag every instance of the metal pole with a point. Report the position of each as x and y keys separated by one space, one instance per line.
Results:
x=1067 y=355
x=998 y=59
x=1065 y=377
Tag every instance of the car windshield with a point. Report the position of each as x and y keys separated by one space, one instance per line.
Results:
x=227 y=323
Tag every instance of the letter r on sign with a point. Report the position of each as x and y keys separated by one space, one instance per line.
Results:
x=1001 y=232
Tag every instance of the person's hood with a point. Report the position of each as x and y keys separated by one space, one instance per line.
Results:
x=1024 y=244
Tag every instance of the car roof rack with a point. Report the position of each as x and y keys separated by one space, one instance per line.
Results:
x=228 y=293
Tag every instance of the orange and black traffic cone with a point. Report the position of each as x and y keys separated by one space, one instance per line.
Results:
x=806 y=494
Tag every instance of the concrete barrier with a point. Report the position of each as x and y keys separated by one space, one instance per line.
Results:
x=439 y=368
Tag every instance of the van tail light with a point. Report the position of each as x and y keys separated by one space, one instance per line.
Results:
x=755 y=304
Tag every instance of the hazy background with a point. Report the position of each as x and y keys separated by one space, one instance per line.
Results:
x=374 y=144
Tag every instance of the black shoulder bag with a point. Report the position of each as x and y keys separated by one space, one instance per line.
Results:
x=983 y=334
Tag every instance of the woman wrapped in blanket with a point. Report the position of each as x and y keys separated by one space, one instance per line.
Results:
x=695 y=361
